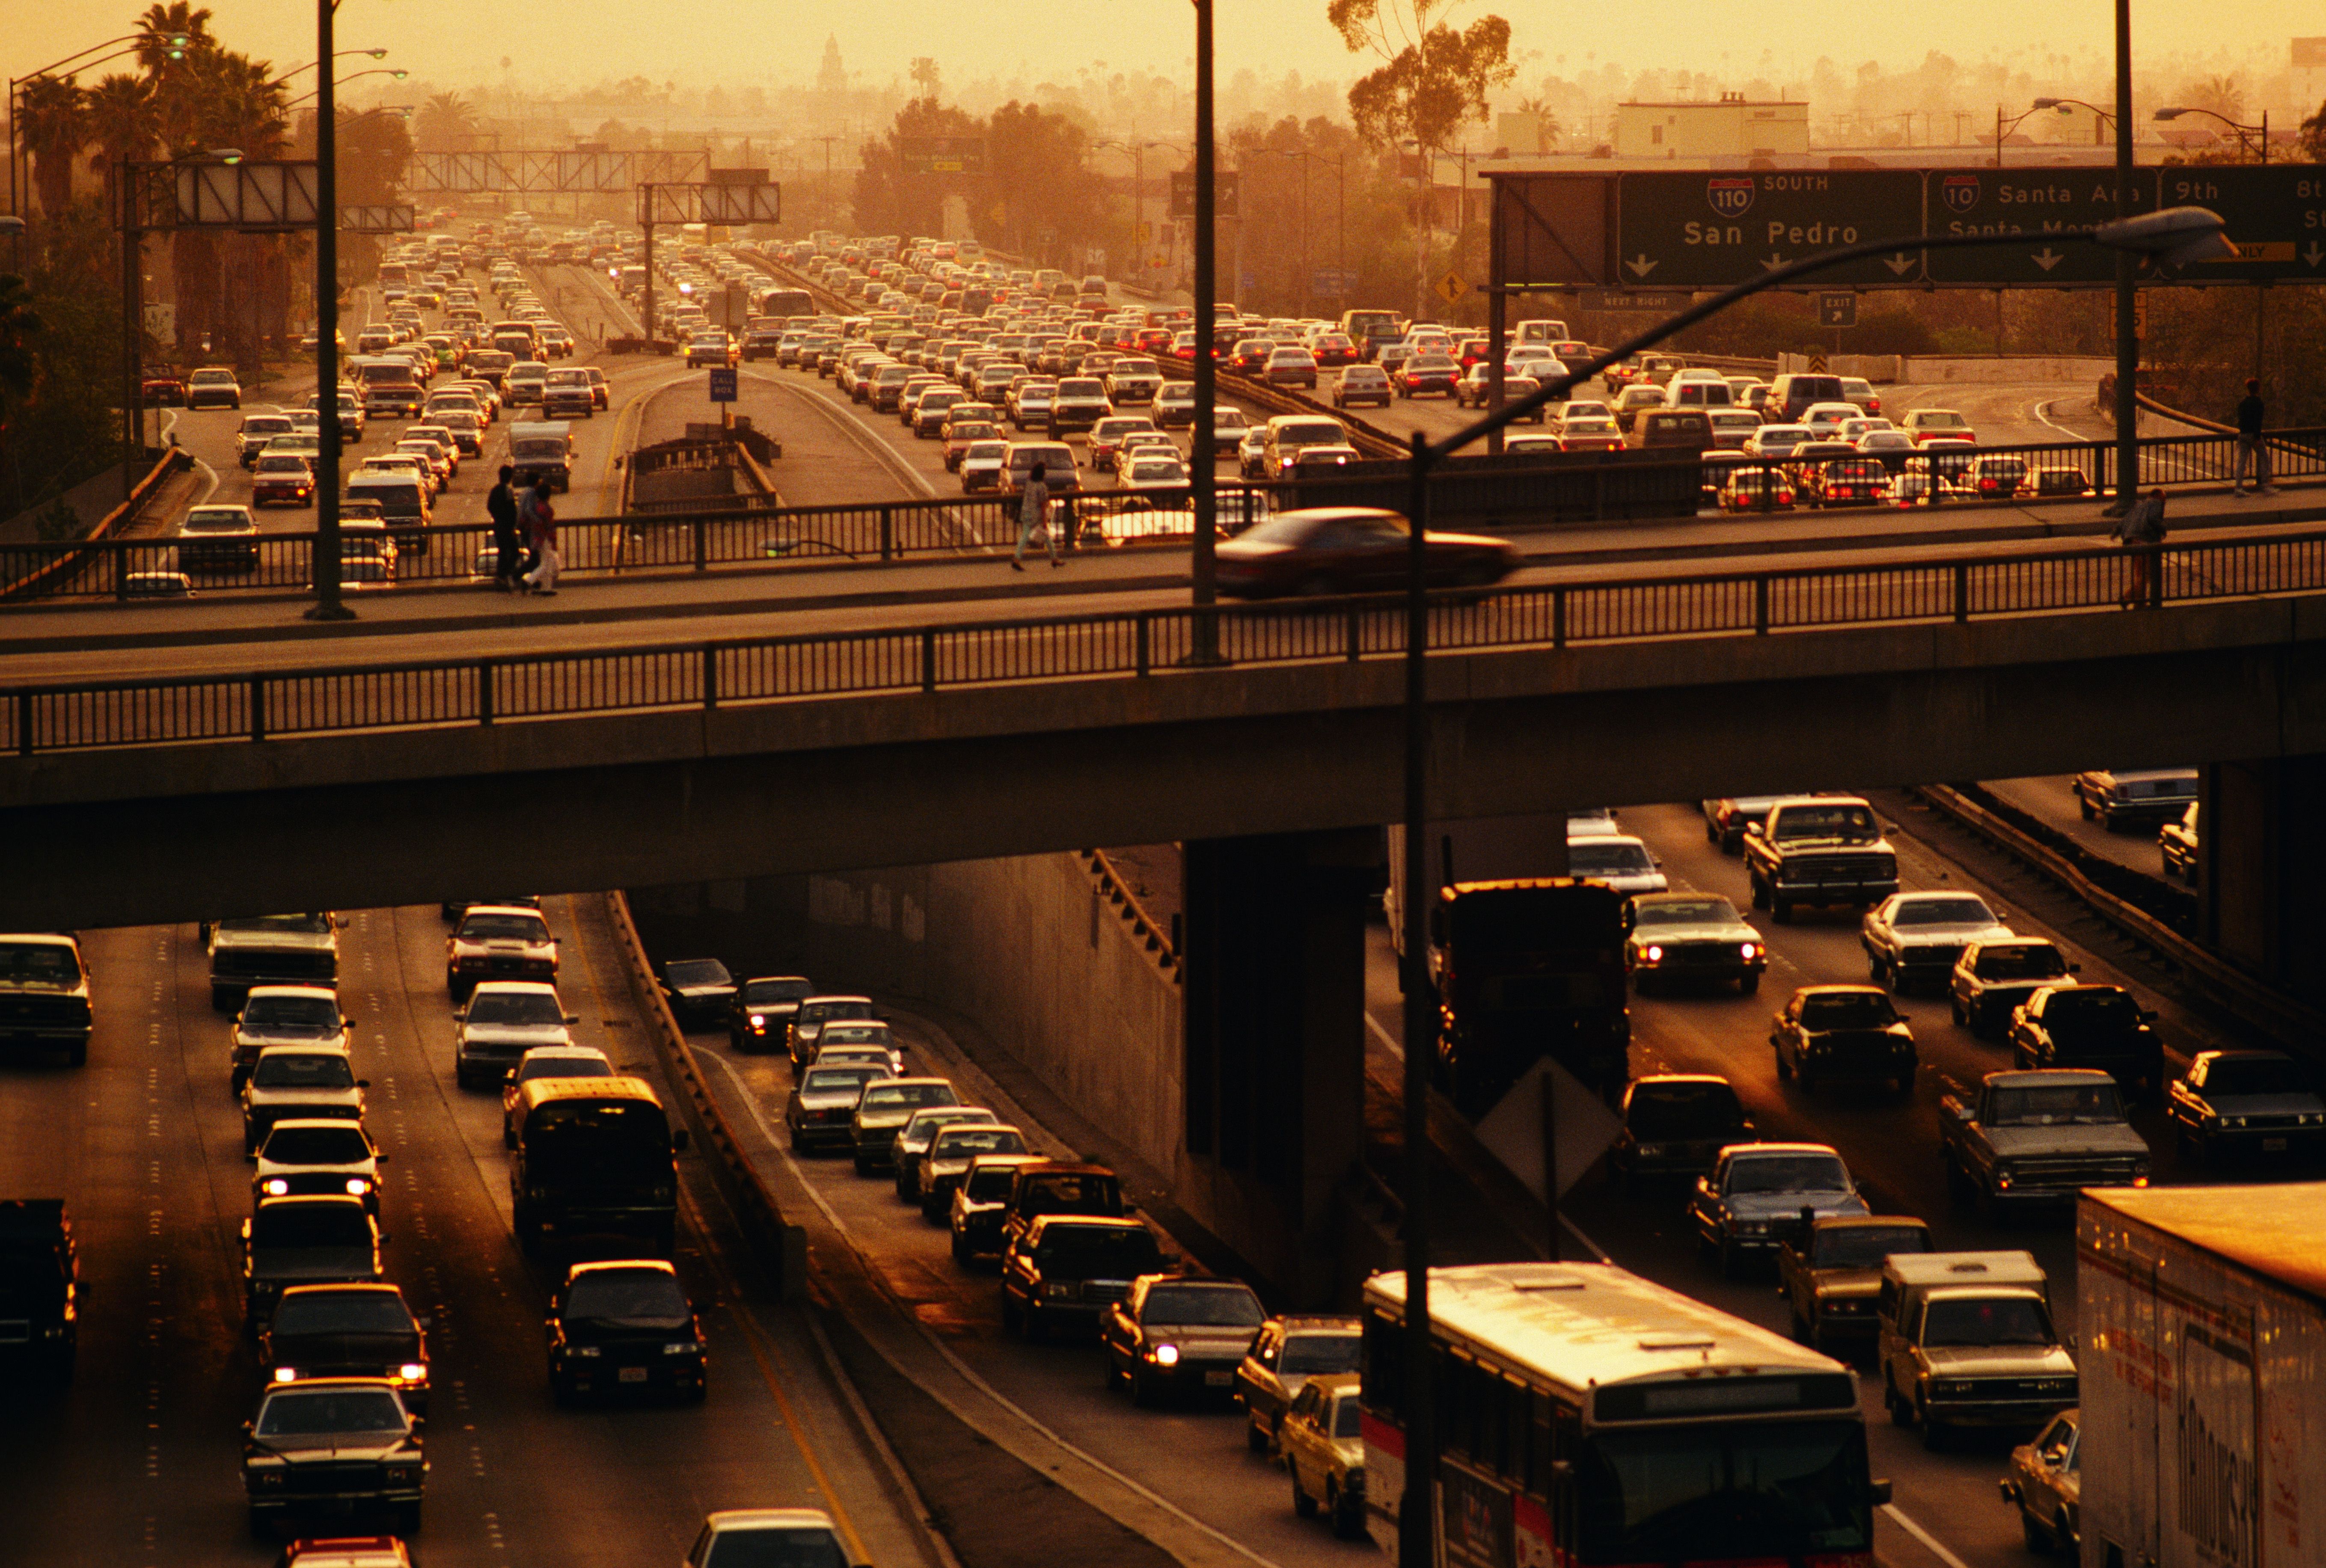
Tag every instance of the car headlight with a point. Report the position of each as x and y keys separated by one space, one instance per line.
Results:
x=1749 y=1227
x=357 y=1186
x=1949 y=1387
x=583 y=1350
x=758 y=1020
x=1651 y=1151
x=403 y=1475
x=1750 y=949
x=413 y=1372
x=1057 y=1289
x=2237 y=1121
x=1652 y=954
x=269 y=1480
x=286 y=1374
x=681 y=1347
x=276 y=1186
x=1165 y=1355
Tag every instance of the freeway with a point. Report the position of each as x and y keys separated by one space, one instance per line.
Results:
x=2054 y=802
x=136 y=1462
x=1891 y=1146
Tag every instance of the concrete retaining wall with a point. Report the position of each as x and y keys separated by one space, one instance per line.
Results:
x=1918 y=370
x=1030 y=947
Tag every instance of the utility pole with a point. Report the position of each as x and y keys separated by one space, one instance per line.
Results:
x=2127 y=273
x=1203 y=565
x=328 y=606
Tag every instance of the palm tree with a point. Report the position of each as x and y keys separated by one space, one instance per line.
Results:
x=162 y=23
x=52 y=119
x=445 y=123
x=20 y=362
x=121 y=117
x=2223 y=95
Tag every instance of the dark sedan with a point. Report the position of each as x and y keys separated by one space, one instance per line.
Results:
x=2098 y=1026
x=1181 y=1335
x=2260 y=1106
x=698 y=991
x=1844 y=1034
x=762 y=1008
x=624 y=1327
x=1675 y=1123
x=1329 y=549
x=1428 y=375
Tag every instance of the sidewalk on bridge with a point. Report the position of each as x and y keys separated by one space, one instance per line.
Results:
x=679 y=601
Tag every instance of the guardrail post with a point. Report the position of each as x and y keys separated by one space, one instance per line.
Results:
x=1143 y=637
x=929 y=660
x=1760 y=605
x=484 y=691
x=24 y=724
x=120 y=554
x=1599 y=492
x=888 y=534
x=709 y=675
x=1355 y=630
x=702 y=560
x=1558 y=617
x=258 y=708
x=1962 y=591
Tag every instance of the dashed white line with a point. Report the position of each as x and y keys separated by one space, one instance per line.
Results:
x=1937 y=1549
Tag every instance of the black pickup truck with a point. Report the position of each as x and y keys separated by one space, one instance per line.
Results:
x=40 y=1286
x=1819 y=849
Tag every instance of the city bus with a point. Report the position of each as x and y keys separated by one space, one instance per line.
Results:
x=593 y=1158
x=1588 y=1416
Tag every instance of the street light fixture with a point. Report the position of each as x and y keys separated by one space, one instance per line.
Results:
x=2064 y=105
x=175 y=45
x=343 y=55
x=342 y=82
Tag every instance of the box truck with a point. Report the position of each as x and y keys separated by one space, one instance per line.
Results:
x=2202 y=1314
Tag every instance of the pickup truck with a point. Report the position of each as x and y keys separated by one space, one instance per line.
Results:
x=1820 y=850
x=1831 y=1277
x=2039 y=1136
x=272 y=950
x=1966 y=1339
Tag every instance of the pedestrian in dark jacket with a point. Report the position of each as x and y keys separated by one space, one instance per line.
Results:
x=2141 y=531
x=2253 y=452
x=500 y=506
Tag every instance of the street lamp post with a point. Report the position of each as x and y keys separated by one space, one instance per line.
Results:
x=175 y=44
x=1203 y=565
x=328 y=606
x=2257 y=137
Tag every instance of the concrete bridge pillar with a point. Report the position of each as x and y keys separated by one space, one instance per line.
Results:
x=2262 y=868
x=1275 y=1042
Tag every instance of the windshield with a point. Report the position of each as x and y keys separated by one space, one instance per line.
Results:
x=2095 y=1015
x=2041 y=961
x=503 y=928
x=1788 y=1173
x=318 y=1415
x=1692 y=1111
x=514 y=1007
x=965 y=1143
x=1204 y=1306
x=698 y=973
x=990 y=1184
x=291 y=1016
x=1607 y=857
x=1311 y=433
x=1866 y=1245
x=775 y=1547
x=300 y=1070
x=916 y=1094
x=2091 y=1101
x=546 y=1066
x=338 y=1145
x=839 y=1079
x=1848 y=1010
x=854 y=1031
x=1850 y=824
x=310 y=924
x=2012 y=1320
x=214 y=520
x=612 y=1142
x=1348 y=1416
x=1943 y=912
x=354 y=1312
x=627 y=1296
x=816 y=1012
x=2254 y=1075
x=1685 y=911
x=1764 y=1491
x=1090 y=1252
x=299 y=1224
x=1319 y=1355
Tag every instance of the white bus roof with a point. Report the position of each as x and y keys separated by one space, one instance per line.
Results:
x=1577 y=1326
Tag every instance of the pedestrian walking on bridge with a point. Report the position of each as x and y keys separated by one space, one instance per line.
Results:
x=500 y=506
x=2141 y=531
x=2253 y=452
x=1034 y=512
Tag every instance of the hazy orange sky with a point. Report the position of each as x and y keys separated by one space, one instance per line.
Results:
x=573 y=43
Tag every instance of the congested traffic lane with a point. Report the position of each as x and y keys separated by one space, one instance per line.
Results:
x=137 y=1462
x=1891 y=1146
x=1191 y=1457
x=2053 y=801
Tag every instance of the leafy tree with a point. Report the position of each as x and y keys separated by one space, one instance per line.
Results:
x=20 y=356
x=1039 y=195
x=446 y=123
x=2313 y=140
x=893 y=198
x=1431 y=79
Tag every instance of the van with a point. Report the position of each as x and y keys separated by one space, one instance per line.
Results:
x=593 y=1158
x=1791 y=396
x=542 y=448
x=1288 y=433
x=1699 y=394
x=1676 y=430
x=1546 y=332
x=402 y=501
x=1059 y=472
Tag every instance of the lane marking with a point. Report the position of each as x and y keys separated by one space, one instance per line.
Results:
x=966 y=1372
x=1937 y=1549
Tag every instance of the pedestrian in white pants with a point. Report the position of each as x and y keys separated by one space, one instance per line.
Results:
x=1034 y=512
x=542 y=522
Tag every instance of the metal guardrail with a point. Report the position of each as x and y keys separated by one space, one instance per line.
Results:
x=1505 y=493
x=39 y=574
x=1138 y=644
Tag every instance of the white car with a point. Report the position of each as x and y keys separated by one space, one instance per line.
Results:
x=502 y=1020
x=298 y=1083
x=757 y=1537
x=329 y=1155
x=1621 y=861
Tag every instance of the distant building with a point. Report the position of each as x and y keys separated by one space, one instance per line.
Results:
x=1733 y=127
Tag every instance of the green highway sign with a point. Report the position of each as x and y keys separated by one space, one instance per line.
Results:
x=1713 y=229
x=2276 y=216
x=2024 y=207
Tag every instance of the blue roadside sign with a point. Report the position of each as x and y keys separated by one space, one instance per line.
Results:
x=722 y=384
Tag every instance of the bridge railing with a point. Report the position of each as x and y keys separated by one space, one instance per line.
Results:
x=1511 y=492
x=262 y=705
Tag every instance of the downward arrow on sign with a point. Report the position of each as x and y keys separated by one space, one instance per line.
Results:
x=1899 y=264
x=2315 y=254
x=2047 y=258
x=1641 y=266
x=1774 y=261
